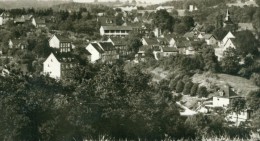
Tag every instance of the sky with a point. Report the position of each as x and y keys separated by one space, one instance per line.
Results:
x=147 y=1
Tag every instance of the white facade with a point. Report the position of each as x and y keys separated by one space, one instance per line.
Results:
x=95 y=55
x=34 y=22
x=228 y=36
x=211 y=41
x=54 y=42
x=172 y=43
x=52 y=67
x=220 y=102
x=120 y=31
x=228 y=44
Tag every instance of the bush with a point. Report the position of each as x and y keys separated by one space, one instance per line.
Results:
x=179 y=86
x=194 y=89
x=187 y=87
x=202 y=91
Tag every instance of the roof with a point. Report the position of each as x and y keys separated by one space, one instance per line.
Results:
x=182 y=42
x=97 y=47
x=118 y=40
x=39 y=21
x=107 y=46
x=65 y=57
x=5 y=14
x=63 y=38
x=151 y=41
x=163 y=41
x=189 y=35
x=169 y=49
x=227 y=92
x=116 y=27
x=208 y=36
x=106 y=21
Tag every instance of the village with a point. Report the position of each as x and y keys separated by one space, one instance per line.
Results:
x=211 y=67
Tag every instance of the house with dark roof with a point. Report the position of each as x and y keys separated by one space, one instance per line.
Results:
x=116 y=31
x=104 y=51
x=120 y=46
x=152 y=42
x=38 y=22
x=62 y=43
x=18 y=44
x=23 y=19
x=58 y=65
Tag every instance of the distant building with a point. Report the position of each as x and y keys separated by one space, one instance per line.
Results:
x=116 y=31
x=63 y=44
x=120 y=46
x=58 y=65
x=38 y=22
x=103 y=51
x=18 y=44
x=4 y=17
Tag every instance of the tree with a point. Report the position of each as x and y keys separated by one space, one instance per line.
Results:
x=194 y=89
x=246 y=43
x=253 y=100
x=179 y=86
x=210 y=59
x=237 y=105
x=134 y=42
x=202 y=91
x=163 y=20
x=188 y=21
x=181 y=28
x=187 y=87
x=230 y=61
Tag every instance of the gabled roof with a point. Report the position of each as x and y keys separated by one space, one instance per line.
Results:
x=182 y=42
x=151 y=41
x=227 y=92
x=163 y=41
x=118 y=40
x=107 y=46
x=116 y=27
x=208 y=36
x=97 y=47
x=63 y=38
x=189 y=35
x=65 y=57
x=169 y=49
x=39 y=21
x=5 y=14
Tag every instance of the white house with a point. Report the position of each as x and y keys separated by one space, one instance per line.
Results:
x=58 y=65
x=104 y=51
x=63 y=44
x=225 y=94
x=228 y=41
x=120 y=31
x=210 y=39
x=228 y=36
x=4 y=17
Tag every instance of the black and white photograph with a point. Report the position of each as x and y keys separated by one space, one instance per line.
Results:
x=129 y=70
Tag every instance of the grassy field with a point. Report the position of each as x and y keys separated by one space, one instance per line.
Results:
x=241 y=85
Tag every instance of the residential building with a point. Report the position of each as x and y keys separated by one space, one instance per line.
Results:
x=116 y=31
x=18 y=44
x=120 y=46
x=4 y=17
x=38 y=22
x=210 y=39
x=104 y=51
x=58 y=65
x=63 y=44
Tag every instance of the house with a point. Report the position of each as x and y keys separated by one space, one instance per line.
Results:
x=171 y=41
x=228 y=41
x=120 y=45
x=104 y=51
x=38 y=22
x=167 y=8
x=157 y=32
x=189 y=51
x=168 y=51
x=193 y=8
x=4 y=17
x=119 y=31
x=152 y=42
x=224 y=97
x=210 y=39
x=23 y=19
x=58 y=65
x=18 y=44
x=63 y=44
x=107 y=21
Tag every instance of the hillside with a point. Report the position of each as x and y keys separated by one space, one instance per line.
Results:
x=241 y=85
